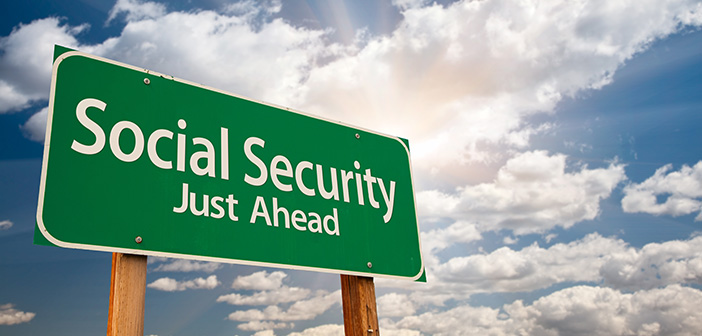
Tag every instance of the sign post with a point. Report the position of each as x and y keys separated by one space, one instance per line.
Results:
x=125 y=316
x=141 y=163
x=358 y=304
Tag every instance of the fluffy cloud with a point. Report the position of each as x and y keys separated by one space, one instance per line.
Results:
x=479 y=68
x=182 y=265
x=136 y=10
x=448 y=62
x=9 y=315
x=533 y=267
x=532 y=193
x=25 y=60
x=6 y=224
x=271 y=297
x=35 y=128
x=655 y=265
x=260 y=281
x=264 y=325
x=272 y=293
x=592 y=259
x=323 y=330
x=394 y=304
x=681 y=189
x=437 y=240
x=262 y=58
x=172 y=285
x=580 y=310
x=300 y=310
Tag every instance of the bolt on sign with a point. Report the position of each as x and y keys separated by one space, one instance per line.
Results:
x=143 y=163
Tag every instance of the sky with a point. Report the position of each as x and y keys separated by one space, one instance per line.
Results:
x=555 y=155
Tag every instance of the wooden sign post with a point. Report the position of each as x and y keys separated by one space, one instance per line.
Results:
x=125 y=316
x=360 y=309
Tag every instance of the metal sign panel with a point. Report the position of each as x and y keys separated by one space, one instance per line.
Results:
x=143 y=163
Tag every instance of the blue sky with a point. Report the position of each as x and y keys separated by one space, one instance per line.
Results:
x=554 y=147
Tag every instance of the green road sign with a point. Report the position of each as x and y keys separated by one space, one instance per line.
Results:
x=143 y=163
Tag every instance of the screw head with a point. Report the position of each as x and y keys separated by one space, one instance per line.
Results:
x=138 y=239
x=147 y=81
x=358 y=136
x=370 y=265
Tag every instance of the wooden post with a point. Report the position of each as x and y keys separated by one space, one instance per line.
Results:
x=127 y=294
x=360 y=310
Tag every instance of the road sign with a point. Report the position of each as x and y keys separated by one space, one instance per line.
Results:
x=143 y=163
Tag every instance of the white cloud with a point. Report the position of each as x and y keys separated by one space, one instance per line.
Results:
x=6 y=224
x=25 y=60
x=532 y=193
x=682 y=189
x=182 y=265
x=655 y=265
x=279 y=295
x=387 y=330
x=533 y=267
x=9 y=315
x=265 y=333
x=592 y=259
x=323 y=330
x=437 y=240
x=264 y=59
x=260 y=281
x=35 y=128
x=580 y=310
x=394 y=304
x=264 y=325
x=450 y=63
x=172 y=285
x=478 y=68
x=300 y=310
x=137 y=10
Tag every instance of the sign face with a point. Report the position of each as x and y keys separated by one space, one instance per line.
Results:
x=143 y=163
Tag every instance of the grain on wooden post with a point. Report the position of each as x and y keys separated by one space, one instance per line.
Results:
x=125 y=316
x=360 y=309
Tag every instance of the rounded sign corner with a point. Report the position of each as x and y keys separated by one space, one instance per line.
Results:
x=45 y=232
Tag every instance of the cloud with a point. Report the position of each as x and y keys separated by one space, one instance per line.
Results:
x=182 y=265
x=271 y=297
x=682 y=191
x=580 y=310
x=300 y=310
x=9 y=315
x=25 y=60
x=394 y=304
x=532 y=193
x=6 y=224
x=136 y=10
x=265 y=333
x=172 y=285
x=260 y=281
x=272 y=293
x=262 y=58
x=35 y=128
x=259 y=325
x=592 y=259
x=655 y=265
x=449 y=62
x=480 y=68
x=533 y=267
x=437 y=240
x=323 y=330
